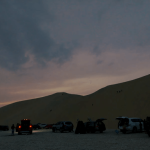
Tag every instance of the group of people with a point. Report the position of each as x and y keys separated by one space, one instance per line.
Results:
x=13 y=128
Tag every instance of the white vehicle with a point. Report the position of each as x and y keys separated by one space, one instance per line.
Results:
x=42 y=125
x=63 y=126
x=130 y=124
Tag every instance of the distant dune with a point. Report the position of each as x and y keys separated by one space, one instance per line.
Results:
x=130 y=99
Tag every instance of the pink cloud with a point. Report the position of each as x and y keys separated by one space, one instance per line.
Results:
x=84 y=74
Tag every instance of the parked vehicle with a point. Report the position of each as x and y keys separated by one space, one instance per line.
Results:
x=4 y=127
x=63 y=126
x=42 y=125
x=93 y=126
x=147 y=125
x=36 y=126
x=126 y=124
x=25 y=127
x=49 y=126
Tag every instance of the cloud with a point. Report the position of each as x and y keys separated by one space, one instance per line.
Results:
x=22 y=31
x=125 y=24
x=84 y=74
x=103 y=24
x=50 y=31
x=71 y=46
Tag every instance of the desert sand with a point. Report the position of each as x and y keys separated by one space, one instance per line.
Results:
x=130 y=99
x=47 y=140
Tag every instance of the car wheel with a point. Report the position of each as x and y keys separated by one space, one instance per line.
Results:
x=87 y=131
x=148 y=132
x=53 y=129
x=30 y=132
x=101 y=131
x=61 y=130
x=93 y=131
x=19 y=133
x=124 y=131
x=134 y=130
x=76 y=132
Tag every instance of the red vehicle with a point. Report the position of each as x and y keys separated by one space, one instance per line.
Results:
x=25 y=127
x=49 y=126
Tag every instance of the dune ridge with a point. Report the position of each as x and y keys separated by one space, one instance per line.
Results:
x=131 y=98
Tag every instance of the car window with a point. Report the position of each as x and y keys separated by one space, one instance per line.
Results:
x=25 y=122
x=68 y=123
x=140 y=120
x=133 y=120
x=124 y=121
x=136 y=120
x=91 y=123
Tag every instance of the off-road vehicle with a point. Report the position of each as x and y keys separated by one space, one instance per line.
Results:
x=93 y=126
x=147 y=125
x=4 y=127
x=25 y=127
x=126 y=124
x=63 y=126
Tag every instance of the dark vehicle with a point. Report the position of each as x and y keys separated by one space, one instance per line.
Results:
x=63 y=126
x=25 y=127
x=36 y=126
x=80 y=128
x=93 y=126
x=147 y=125
x=48 y=126
x=4 y=128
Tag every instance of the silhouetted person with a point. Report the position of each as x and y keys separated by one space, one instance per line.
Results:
x=80 y=128
x=12 y=127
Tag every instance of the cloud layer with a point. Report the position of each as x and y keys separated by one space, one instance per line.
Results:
x=53 y=46
x=22 y=34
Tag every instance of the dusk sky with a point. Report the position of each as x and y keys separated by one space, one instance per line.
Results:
x=73 y=46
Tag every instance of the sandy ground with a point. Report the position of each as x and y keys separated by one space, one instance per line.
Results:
x=47 y=140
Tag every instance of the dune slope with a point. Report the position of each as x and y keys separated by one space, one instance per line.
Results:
x=130 y=99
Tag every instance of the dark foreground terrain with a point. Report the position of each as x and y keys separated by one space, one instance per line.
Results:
x=47 y=140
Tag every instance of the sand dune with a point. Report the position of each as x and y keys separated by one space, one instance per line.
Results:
x=130 y=98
